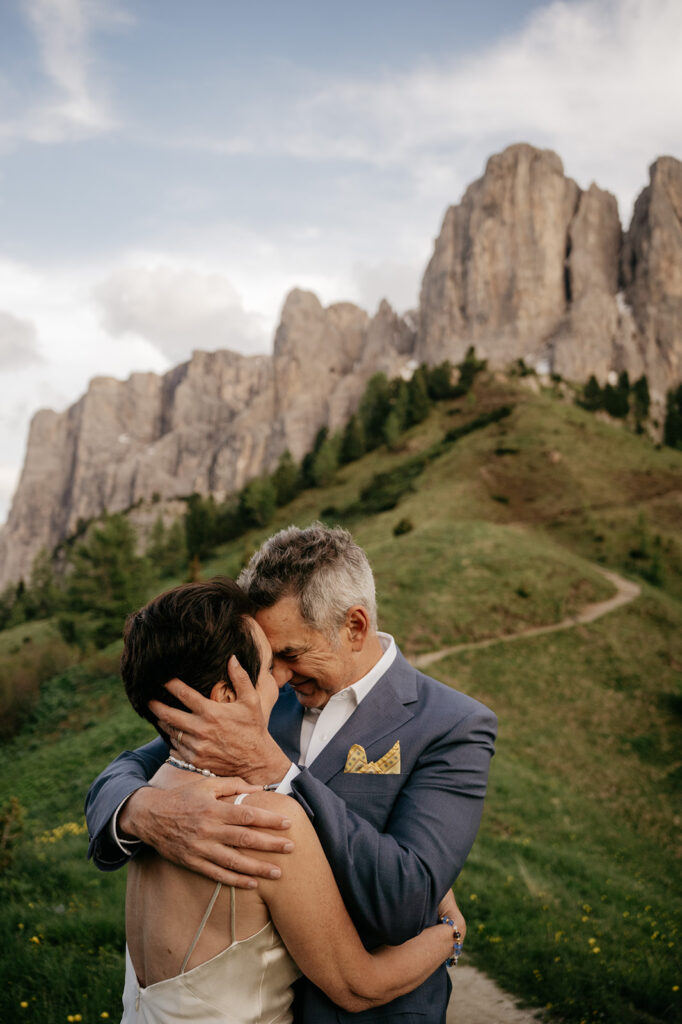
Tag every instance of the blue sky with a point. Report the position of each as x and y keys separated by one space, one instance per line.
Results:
x=170 y=170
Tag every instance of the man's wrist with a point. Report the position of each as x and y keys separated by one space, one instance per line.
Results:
x=272 y=771
x=129 y=822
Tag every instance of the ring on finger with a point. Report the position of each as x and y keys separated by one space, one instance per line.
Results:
x=178 y=738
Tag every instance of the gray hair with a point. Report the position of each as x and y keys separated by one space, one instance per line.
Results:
x=322 y=566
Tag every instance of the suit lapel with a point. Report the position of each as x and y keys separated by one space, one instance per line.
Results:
x=384 y=710
x=285 y=723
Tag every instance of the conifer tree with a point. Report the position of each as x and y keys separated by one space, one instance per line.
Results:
x=43 y=596
x=174 y=560
x=469 y=368
x=200 y=525
x=672 y=429
x=640 y=393
x=375 y=406
x=257 y=502
x=616 y=401
x=352 y=441
x=107 y=580
x=592 y=395
x=307 y=470
x=156 y=548
x=439 y=381
x=286 y=479
x=418 y=403
x=392 y=430
x=400 y=398
x=325 y=462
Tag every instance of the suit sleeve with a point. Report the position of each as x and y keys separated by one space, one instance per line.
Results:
x=393 y=880
x=129 y=772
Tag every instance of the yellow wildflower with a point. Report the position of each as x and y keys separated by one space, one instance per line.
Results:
x=34 y=938
x=596 y=949
x=23 y=1004
x=69 y=828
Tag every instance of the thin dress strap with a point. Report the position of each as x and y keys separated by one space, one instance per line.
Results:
x=209 y=908
x=204 y=919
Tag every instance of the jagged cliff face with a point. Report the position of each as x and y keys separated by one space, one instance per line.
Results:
x=529 y=266
x=526 y=266
x=208 y=425
x=496 y=278
x=652 y=268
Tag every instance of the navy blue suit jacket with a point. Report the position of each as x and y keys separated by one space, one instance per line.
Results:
x=395 y=842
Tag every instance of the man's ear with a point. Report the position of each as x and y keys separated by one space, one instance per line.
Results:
x=222 y=692
x=357 y=626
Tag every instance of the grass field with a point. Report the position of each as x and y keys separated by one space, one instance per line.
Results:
x=572 y=890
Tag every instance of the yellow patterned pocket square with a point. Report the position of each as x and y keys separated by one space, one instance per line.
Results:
x=389 y=764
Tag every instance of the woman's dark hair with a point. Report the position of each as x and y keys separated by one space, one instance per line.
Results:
x=190 y=632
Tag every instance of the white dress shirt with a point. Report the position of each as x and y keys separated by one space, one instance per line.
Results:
x=320 y=725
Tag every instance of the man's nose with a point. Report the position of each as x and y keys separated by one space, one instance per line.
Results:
x=281 y=672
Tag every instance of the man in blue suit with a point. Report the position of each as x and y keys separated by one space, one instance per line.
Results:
x=390 y=765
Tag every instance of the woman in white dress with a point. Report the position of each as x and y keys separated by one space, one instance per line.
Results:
x=205 y=953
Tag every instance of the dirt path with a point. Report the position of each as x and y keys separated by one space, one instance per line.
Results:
x=476 y=999
x=626 y=591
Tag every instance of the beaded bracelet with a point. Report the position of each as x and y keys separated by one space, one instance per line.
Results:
x=457 y=942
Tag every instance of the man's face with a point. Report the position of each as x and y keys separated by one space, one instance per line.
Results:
x=314 y=666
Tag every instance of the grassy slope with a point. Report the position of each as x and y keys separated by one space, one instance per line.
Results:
x=578 y=841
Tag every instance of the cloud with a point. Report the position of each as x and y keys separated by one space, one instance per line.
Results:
x=177 y=310
x=599 y=81
x=18 y=342
x=76 y=105
x=390 y=280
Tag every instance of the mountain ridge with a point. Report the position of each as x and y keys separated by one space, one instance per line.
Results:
x=526 y=266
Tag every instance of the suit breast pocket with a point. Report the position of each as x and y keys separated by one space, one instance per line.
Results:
x=371 y=796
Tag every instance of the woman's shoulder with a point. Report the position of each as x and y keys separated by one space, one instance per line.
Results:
x=300 y=827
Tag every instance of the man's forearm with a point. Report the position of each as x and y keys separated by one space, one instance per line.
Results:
x=125 y=776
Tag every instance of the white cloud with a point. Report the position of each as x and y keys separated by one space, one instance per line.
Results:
x=77 y=104
x=390 y=280
x=177 y=310
x=18 y=342
x=599 y=81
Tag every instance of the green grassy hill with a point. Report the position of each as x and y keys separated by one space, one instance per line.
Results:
x=571 y=892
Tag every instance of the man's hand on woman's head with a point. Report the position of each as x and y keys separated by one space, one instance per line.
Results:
x=228 y=738
x=192 y=821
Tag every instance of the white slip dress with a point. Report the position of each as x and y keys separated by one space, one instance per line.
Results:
x=249 y=982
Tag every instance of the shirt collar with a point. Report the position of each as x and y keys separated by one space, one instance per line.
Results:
x=358 y=691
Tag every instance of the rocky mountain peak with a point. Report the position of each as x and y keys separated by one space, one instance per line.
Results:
x=527 y=265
